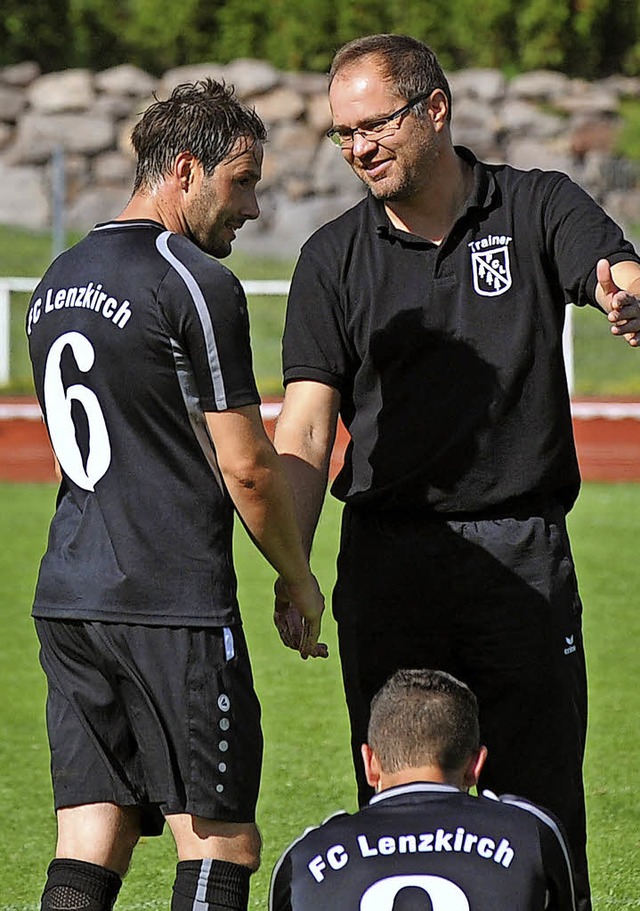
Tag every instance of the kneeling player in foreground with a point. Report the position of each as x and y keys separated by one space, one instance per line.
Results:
x=423 y=841
x=140 y=348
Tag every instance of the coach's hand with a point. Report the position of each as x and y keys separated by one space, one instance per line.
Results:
x=623 y=307
x=298 y=617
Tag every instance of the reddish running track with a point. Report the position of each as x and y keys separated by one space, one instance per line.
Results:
x=607 y=438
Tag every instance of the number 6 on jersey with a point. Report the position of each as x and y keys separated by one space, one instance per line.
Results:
x=58 y=403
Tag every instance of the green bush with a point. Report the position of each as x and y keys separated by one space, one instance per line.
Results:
x=591 y=39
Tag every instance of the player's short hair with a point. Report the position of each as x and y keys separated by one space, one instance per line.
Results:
x=423 y=717
x=204 y=118
x=408 y=64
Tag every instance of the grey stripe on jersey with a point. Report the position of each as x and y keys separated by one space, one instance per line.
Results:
x=537 y=811
x=187 y=383
x=200 y=902
x=219 y=392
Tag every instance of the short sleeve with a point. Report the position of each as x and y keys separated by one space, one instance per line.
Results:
x=315 y=343
x=579 y=233
x=206 y=309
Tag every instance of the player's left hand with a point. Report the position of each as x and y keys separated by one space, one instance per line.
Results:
x=623 y=308
x=292 y=627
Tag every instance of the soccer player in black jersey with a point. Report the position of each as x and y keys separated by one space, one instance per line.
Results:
x=424 y=843
x=140 y=348
x=429 y=317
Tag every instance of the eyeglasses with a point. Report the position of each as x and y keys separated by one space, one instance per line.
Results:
x=378 y=129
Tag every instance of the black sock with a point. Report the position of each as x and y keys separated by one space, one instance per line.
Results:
x=75 y=885
x=217 y=885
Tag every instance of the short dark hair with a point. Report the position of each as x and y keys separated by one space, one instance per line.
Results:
x=204 y=118
x=408 y=64
x=423 y=717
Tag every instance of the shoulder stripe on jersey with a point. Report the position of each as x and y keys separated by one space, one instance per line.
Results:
x=219 y=392
x=415 y=788
x=288 y=850
x=548 y=821
x=122 y=224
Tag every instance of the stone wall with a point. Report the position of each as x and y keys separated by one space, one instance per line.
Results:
x=539 y=119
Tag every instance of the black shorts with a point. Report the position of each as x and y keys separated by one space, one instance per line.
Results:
x=162 y=718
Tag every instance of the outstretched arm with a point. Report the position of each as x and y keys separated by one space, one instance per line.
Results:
x=258 y=486
x=304 y=437
x=618 y=293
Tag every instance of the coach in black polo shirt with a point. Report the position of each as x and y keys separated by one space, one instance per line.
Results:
x=423 y=843
x=430 y=318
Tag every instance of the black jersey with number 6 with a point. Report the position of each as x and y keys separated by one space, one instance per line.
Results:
x=134 y=334
x=429 y=847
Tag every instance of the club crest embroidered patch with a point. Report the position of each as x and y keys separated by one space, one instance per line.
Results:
x=490 y=264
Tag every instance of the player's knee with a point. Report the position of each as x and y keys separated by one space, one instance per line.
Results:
x=252 y=850
x=197 y=837
x=102 y=834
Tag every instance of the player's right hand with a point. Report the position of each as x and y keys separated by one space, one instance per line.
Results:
x=298 y=617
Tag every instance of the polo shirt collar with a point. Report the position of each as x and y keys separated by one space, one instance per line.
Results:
x=482 y=197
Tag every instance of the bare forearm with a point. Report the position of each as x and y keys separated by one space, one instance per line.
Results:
x=264 y=502
x=305 y=444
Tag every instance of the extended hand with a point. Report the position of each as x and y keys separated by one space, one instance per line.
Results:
x=623 y=308
x=298 y=616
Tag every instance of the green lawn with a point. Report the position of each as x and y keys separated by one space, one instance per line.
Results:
x=604 y=365
x=23 y=253
x=307 y=763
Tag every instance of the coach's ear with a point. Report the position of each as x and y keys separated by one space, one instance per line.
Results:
x=372 y=768
x=474 y=767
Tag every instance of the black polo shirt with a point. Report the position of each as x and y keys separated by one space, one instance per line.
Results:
x=134 y=334
x=429 y=846
x=449 y=358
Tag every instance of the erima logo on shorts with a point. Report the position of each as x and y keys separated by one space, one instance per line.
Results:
x=490 y=264
x=571 y=646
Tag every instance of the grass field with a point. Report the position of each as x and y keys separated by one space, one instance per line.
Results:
x=604 y=366
x=307 y=765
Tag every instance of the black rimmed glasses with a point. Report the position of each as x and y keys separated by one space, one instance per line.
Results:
x=376 y=129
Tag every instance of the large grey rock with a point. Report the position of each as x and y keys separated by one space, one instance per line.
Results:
x=475 y=125
x=290 y=151
x=623 y=205
x=249 y=77
x=310 y=84
x=331 y=173
x=5 y=135
x=119 y=107
x=288 y=224
x=97 y=204
x=319 y=113
x=190 y=73
x=488 y=85
x=39 y=134
x=125 y=79
x=524 y=118
x=20 y=75
x=542 y=85
x=114 y=168
x=12 y=103
x=604 y=173
x=588 y=100
x=24 y=201
x=279 y=105
x=252 y=77
x=530 y=153
x=622 y=86
x=55 y=93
